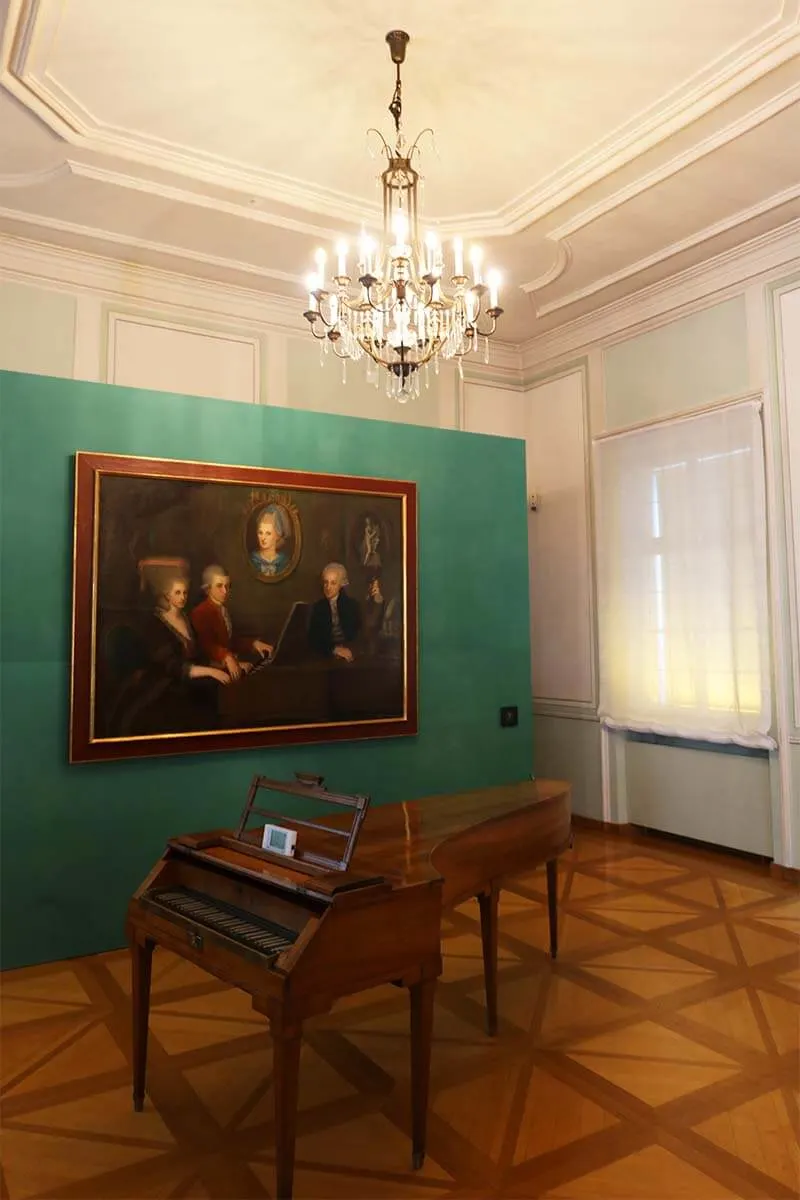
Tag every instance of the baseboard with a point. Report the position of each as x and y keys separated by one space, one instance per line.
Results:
x=640 y=836
x=788 y=874
x=602 y=826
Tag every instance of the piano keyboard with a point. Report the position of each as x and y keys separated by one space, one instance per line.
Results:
x=250 y=930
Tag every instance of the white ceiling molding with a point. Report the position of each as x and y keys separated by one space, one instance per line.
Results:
x=32 y=25
x=137 y=243
x=562 y=261
x=26 y=179
x=503 y=370
x=687 y=243
x=672 y=166
x=62 y=269
x=167 y=191
x=777 y=250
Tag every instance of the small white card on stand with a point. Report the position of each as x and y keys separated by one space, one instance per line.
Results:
x=279 y=840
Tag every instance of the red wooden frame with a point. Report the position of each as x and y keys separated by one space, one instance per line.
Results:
x=89 y=469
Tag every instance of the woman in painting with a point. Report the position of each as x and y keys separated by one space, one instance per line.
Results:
x=171 y=692
x=272 y=530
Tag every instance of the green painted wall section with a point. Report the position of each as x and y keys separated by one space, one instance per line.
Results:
x=76 y=840
x=689 y=362
x=37 y=329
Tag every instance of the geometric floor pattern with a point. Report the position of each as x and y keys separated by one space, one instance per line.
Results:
x=657 y=1059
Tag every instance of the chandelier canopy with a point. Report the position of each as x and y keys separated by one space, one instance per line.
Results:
x=398 y=312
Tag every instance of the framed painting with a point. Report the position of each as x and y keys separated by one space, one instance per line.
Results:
x=218 y=608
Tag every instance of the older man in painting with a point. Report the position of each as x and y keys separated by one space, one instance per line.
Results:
x=335 y=620
x=214 y=628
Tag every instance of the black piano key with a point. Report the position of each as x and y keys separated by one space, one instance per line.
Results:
x=250 y=929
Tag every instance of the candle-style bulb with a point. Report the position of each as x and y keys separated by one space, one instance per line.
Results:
x=431 y=249
x=400 y=227
x=321 y=258
x=476 y=258
x=458 y=256
x=493 y=279
x=341 y=257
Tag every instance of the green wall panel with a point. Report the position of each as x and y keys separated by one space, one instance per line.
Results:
x=77 y=839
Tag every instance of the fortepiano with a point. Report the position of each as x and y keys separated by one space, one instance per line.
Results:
x=297 y=941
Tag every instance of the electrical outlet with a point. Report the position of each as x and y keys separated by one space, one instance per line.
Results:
x=509 y=716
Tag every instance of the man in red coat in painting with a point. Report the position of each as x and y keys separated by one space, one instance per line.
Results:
x=214 y=629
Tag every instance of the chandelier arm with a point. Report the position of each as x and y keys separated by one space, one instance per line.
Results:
x=328 y=324
x=485 y=332
x=434 y=348
x=384 y=144
x=415 y=144
x=380 y=306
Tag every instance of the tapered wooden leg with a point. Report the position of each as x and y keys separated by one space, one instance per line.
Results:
x=141 y=969
x=487 y=902
x=421 y=997
x=552 y=904
x=285 y=1072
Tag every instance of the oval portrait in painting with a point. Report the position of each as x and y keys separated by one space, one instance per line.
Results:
x=272 y=540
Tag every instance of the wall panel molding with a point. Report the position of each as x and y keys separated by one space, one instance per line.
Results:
x=577 y=711
x=787 y=326
x=561 y=534
x=193 y=360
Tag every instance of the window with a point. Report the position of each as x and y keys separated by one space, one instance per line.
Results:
x=682 y=578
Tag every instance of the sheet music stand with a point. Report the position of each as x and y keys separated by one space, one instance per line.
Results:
x=309 y=787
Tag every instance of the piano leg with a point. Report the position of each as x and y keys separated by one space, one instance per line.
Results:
x=285 y=1071
x=421 y=997
x=552 y=904
x=141 y=964
x=487 y=902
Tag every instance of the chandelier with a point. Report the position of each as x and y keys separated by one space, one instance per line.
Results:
x=398 y=312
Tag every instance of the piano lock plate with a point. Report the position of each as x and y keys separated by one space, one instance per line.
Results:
x=195 y=940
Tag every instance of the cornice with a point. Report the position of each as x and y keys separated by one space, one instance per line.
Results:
x=137 y=243
x=652 y=260
x=779 y=249
x=510 y=366
x=185 y=195
x=677 y=163
x=63 y=269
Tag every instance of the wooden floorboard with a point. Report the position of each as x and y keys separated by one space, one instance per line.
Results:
x=657 y=1059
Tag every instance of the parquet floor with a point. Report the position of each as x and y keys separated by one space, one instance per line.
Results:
x=656 y=1060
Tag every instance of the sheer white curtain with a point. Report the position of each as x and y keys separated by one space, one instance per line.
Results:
x=682 y=578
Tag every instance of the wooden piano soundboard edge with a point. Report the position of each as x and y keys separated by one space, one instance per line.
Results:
x=319 y=888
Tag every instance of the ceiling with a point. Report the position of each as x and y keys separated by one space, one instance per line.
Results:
x=591 y=149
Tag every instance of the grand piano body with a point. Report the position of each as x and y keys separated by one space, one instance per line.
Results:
x=297 y=939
